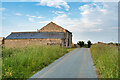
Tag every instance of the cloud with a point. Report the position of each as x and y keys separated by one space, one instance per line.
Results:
x=30 y=16
x=27 y=15
x=40 y=17
x=96 y=17
x=105 y=0
x=96 y=30
x=44 y=22
x=58 y=12
x=66 y=0
x=54 y=3
x=75 y=25
x=99 y=15
x=33 y=16
x=2 y=9
x=18 y=14
x=31 y=19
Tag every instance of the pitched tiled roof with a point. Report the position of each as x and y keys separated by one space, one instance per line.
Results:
x=36 y=35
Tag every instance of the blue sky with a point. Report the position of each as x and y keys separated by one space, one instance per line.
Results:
x=87 y=20
x=65 y=0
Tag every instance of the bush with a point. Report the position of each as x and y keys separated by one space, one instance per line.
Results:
x=105 y=58
x=24 y=62
x=89 y=44
x=81 y=43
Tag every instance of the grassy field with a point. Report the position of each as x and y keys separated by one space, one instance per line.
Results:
x=24 y=62
x=105 y=58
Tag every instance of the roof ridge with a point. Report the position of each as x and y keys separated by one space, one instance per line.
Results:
x=58 y=25
x=24 y=32
x=54 y=24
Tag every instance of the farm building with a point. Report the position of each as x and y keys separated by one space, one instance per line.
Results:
x=51 y=34
x=1 y=40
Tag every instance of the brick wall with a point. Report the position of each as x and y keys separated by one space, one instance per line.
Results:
x=25 y=42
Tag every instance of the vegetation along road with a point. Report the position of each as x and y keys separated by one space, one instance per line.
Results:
x=76 y=64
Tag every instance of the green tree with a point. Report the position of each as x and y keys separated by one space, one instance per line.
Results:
x=81 y=43
x=89 y=44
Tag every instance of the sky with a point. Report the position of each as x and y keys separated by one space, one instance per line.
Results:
x=95 y=21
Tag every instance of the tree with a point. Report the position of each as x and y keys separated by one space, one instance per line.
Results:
x=81 y=43
x=89 y=44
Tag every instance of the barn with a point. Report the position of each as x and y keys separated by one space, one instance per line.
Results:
x=51 y=34
x=1 y=40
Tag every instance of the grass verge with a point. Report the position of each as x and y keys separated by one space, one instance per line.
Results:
x=105 y=59
x=24 y=62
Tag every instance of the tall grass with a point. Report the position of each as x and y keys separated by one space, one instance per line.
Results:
x=105 y=58
x=24 y=62
x=0 y=63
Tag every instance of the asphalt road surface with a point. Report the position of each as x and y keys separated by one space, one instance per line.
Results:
x=76 y=64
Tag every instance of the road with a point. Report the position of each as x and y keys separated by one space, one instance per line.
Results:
x=76 y=64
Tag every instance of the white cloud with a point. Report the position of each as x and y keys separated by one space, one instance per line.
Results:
x=31 y=19
x=33 y=16
x=66 y=0
x=44 y=22
x=30 y=16
x=95 y=18
x=105 y=14
x=40 y=17
x=75 y=25
x=2 y=9
x=96 y=30
x=58 y=12
x=54 y=3
x=105 y=0
x=18 y=14
x=27 y=15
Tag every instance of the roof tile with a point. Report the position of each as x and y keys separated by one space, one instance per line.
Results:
x=37 y=35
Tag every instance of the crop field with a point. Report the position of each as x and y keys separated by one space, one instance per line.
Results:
x=24 y=62
x=105 y=59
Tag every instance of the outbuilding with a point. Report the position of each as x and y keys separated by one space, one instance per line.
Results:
x=51 y=34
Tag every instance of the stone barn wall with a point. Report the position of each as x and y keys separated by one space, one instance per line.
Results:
x=68 y=39
x=52 y=27
x=1 y=40
x=18 y=41
x=13 y=43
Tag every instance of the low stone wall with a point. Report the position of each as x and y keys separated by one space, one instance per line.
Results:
x=13 y=43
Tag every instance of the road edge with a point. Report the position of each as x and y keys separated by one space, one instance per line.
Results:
x=36 y=75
